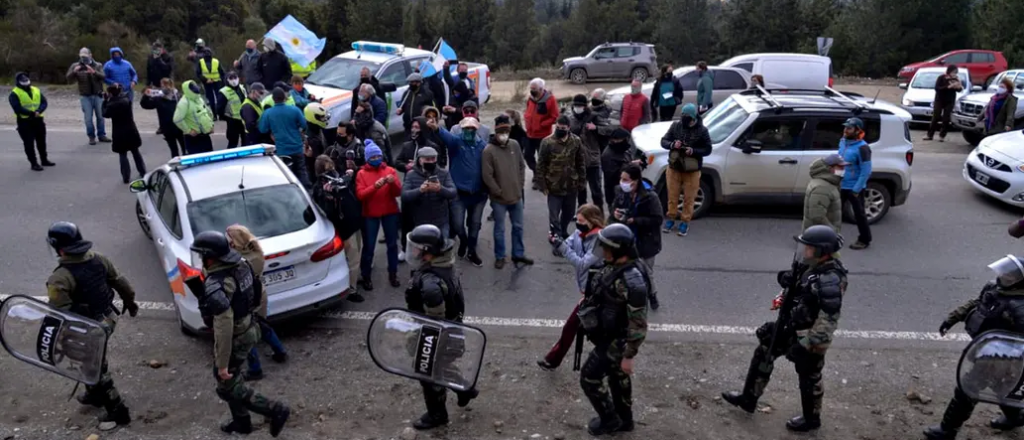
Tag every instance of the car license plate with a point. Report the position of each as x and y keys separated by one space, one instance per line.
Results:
x=278 y=276
x=981 y=178
x=927 y=112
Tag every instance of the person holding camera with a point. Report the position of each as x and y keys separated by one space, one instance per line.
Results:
x=89 y=75
x=428 y=192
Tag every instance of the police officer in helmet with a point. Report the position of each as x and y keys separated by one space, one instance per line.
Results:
x=227 y=303
x=84 y=283
x=808 y=317
x=436 y=291
x=1000 y=306
x=613 y=315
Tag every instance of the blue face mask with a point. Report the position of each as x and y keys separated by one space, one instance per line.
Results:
x=375 y=162
x=116 y=58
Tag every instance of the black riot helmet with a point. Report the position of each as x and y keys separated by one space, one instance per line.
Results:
x=65 y=236
x=618 y=239
x=823 y=239
x=214 y=245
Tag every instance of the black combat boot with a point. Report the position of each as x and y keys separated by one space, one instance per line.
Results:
x=117 y=413
x=430 y=421
x=1005 y=423
x=654 y=301
x=803 y=424
x=604 y=425
x=90 y=399
x=939 y=433
x=278 y=416
x=741 y=400
x=465 y=397
x=241 y=425
x=957 y=412
x=811 y=406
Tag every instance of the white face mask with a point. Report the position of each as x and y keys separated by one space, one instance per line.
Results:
x=25 y=83
x=501 y=137
x=233 y=82
x=1001 y=90
x=839 y=172
x=578 y=109
x=626 y=186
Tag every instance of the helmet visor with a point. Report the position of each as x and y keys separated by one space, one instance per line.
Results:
x=1009 y=271
x=414 y=253
x=806 y=253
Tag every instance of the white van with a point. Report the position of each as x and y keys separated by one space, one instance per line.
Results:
x=790 y=70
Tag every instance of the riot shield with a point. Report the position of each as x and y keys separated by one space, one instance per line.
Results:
x=54 y=340
x=416 y=346
x=991 y=369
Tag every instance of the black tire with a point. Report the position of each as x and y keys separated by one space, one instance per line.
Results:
x=973 y=137
x=705 y=198
x=639 y=73
x=877 y=202
x=142 y=221
x=578 y=76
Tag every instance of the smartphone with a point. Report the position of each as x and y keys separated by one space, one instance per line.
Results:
x=433 y=179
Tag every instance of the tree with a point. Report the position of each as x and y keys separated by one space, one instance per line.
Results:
x=818 y=18
x=678 y=47
x=507 y=41
x=760 y=26
x=997 y=26
x=375 y=20
x=472 y=22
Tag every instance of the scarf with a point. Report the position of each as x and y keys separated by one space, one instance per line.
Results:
x=994 y=105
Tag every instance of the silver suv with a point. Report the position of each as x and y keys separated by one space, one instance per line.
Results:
x=613 y=60
x=763 y=146
x=969 y=108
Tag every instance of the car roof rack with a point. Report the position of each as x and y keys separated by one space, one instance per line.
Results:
x=828 y=92
x=192 y=160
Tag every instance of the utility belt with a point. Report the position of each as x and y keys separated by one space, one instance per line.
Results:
x=86 y=311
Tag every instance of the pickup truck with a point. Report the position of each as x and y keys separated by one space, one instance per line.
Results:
x=969 y=107
x=389 y=63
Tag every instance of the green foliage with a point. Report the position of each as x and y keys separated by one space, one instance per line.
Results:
x=508 y=35
x=375 y=20
x=999 y=25
x=683 y=48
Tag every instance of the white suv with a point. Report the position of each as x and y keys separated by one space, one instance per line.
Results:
x=764 y=143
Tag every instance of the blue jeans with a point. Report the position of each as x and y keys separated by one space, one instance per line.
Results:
x=93 y=105
x=270 y=337
x=371 y=228
x=515 y=213
x=468 y=211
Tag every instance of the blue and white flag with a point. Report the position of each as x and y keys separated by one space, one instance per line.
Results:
x=300 y=44
x=446 y=51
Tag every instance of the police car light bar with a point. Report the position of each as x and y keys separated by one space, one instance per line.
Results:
x=221 y=155
x=372 y=46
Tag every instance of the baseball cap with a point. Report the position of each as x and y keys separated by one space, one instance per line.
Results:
x=469 y=123
x=855 y=123
x=470 y=104
x=834 y=160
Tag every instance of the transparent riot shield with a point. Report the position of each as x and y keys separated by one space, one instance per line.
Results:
x=419 y=347
x=991 y=369
x=52 y=339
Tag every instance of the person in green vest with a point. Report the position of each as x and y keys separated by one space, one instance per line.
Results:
x=211 y=76
x=29 y=104
x=303 y=71
x=251 y=112
x=268 y=101
x=229 y=107
x=195 y=119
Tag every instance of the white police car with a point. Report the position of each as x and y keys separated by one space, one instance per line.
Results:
x=305 y=268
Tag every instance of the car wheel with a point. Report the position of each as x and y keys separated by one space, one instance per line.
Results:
x=973 y=137
x=877 y=201
x=141 y=216
x=578 y=76
x=701 y=204
x=639 y=74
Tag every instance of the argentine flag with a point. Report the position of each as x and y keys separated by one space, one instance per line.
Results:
x=443 y=54
x=300 y=44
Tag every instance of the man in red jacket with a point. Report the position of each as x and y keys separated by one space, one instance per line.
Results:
x=541 y=113
x=636 y=109
x=377 y=187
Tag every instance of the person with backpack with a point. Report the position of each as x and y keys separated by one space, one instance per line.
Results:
x=335 y=194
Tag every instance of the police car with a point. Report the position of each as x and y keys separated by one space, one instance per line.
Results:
x=305 y=270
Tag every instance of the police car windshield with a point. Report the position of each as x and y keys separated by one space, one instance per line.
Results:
x=268 y=212
x=724 y=119
x=341 y=73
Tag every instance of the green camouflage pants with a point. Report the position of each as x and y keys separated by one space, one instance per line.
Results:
x=240 y=398
x=104 y=393
x=605 y=362
x=808 y=369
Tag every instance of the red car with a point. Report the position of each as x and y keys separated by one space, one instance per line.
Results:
x=984 y=65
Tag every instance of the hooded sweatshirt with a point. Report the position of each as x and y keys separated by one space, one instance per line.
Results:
x=822 y=203
x=705 y=88
x=579 y=250
x=192 y=113
x=119 y=71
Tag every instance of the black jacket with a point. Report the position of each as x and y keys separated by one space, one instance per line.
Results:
x=413 y=103
x=164 y=107
x=656 y=92
x=273 y=67
x=339 y=152
x=695 y=137
x=614 y=160
x=647 y=215
x=251 y=119
x=125 y=135
x=159 y=68
x=407 y=154
x=382 y=90
x=346 y=214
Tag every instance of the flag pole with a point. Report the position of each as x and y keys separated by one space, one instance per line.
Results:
x=438 y=45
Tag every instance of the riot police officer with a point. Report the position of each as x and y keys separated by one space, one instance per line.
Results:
x=1000 y=306
x=808 y=317
x=613 y=315
x=435 y=290
x=227 y=304
x=84 y=283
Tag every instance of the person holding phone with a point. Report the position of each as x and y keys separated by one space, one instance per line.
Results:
x=428 y=192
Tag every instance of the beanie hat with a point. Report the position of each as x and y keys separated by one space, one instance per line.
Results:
x=502 y=121
x=579 y=99
x=620 y=133
x=426 y=152
x=690 y=110
x=371 y=149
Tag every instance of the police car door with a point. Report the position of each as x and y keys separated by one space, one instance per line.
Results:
x=169 y=238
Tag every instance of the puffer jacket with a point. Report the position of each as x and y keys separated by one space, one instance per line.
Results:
x=822 y=203
x=695 y=137
x=592 y=139
x=432 y=208
x=119 y=72
x=579 y=251
x=124 y=133
x=647 y=216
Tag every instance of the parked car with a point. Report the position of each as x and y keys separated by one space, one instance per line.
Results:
x=306 y=270
x=969 y=108
x=612 y=60
x=390 y=63
x=996 y=167
x=763 y=147
x=727 y=82
x=983 y=64
x=787 y=70
x=920 y=92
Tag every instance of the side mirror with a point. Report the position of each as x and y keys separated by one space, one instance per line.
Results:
x=941 y=62
x=975 y=88
x=903 y=86
x=138 y=186
x=751 y=146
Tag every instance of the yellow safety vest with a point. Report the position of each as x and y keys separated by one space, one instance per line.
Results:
x=303 y=71
x=208 y=72
x=268 y=102
x=30 y=103
x=257 y=107
x=234 y=108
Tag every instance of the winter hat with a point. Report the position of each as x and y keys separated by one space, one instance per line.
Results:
x=414 y=77
x=426 y=152
x=371 y=149
x=620 y=133
x=579 y=99
x=269 y=44
x=502 y=121
x=690 y=110
x=20 y=77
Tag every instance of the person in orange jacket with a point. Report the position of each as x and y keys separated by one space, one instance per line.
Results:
x=377 y=187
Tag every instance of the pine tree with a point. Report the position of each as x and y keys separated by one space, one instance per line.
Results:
x=469 y=31
x=513 y=27
x=997 y=26
x=682 y=31
x=375 y=20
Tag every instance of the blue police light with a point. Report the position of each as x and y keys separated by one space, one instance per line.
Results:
x=222 y=155
x=373 y=46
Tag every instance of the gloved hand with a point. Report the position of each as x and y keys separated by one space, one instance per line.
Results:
x=555 y=240
x=132 y=307
x=796 y=351
x=944 y=328
x=785 y=278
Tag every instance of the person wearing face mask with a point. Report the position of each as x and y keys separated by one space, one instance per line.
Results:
x=380 y=108
x=379 y=88
x=688 y=142
x=620 y=153
x=466 y=153
x=119 y=71
x=286 y=124
x=823 y=204
x=470 y=109
x=666 y=95
x=29 y=104
x=165 y=100
x=368 y=128
x=999 y=113
x=705 y=87
x=194 y=118
x=248 y=65
x=636 y=109
x=89 y=75
x=211 y=75
x=118 y=109
x=857 y=154
x=347 y=150
x=561 y=172
x=274 y=65
x=637 y=206
x=406 y=162
x=299 y=94
x=229 y=107
x=579 y=251
x=587 y=124
x=462 y=72
x=541 y=114
x=432 y=131
x=415 y=100
x=159 y=66
x=251 y=112
x=316 y=124
x=504 y=174
x=377 y=187
x=427 y=193
x=946 y=88
x=338 y=200
x=268 y=100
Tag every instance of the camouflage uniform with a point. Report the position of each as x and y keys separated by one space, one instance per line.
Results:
x=806 y=337
x=618 y=295
x=561 y=171
x=82 y=284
